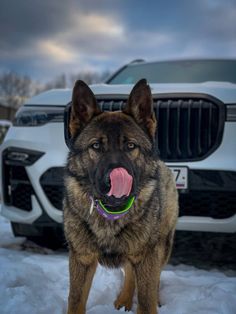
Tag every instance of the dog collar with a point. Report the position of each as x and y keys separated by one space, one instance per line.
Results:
x=110 y=215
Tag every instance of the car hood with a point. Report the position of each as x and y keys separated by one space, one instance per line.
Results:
x=226 y=92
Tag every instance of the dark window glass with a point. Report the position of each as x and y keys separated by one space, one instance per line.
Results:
x=194 y=71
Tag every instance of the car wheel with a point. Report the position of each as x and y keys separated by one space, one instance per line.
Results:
x=49 y=237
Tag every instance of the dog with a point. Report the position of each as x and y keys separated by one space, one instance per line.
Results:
x=121 y=203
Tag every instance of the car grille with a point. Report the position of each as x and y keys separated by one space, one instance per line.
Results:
x=214 y=204
x=17 y=188
x=190 y=126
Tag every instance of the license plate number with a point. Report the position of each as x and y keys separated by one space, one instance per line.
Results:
x=181 y=177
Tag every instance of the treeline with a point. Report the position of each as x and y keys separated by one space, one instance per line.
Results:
x=16 y=88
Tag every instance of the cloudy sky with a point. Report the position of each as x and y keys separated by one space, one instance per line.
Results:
x=46 y=38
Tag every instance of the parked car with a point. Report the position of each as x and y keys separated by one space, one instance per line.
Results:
x=195 y=104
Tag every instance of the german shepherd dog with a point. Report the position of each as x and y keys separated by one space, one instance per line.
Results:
x=121 y=203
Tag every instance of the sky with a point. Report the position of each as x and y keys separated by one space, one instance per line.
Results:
x=43 y=39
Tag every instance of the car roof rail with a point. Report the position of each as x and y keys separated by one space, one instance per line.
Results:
x=137 y=61
x=122 y=68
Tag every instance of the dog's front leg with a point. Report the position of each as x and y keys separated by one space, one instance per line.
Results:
x=147 y=273
x=81 y=270
x=125 y=298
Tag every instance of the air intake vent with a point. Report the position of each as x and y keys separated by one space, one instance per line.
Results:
x=17 y=188
x=52 y=184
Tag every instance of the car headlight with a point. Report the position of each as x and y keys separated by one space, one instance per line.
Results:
x=231 y=112
x=36 y=116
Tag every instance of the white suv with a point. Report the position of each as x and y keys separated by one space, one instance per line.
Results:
x=195 y=104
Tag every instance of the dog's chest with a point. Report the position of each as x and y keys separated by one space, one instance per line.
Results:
x=108 y=239
x=111 y=258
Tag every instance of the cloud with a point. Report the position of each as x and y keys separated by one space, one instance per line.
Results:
x=93 y=33
x=90 y=40
x=56 y=51
x=46 y=38
x=101 y=25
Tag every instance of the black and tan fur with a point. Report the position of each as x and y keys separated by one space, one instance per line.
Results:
x=140 y=241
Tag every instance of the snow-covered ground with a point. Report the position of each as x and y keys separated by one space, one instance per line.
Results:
x=35 y=280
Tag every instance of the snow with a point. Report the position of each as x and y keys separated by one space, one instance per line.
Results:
x=35 y=280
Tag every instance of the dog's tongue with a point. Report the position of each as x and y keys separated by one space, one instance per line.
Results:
x=121 y=183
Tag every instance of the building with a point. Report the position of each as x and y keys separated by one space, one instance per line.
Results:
x=6 y=112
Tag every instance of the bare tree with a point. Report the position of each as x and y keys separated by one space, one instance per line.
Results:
x=58 y=82
x=14 y=89
x=89 y=77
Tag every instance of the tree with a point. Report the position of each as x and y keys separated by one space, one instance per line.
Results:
x=14 y=89
x=89 y=77
x=58 y=82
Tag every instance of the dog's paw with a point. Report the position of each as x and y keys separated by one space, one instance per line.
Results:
x=125 y=302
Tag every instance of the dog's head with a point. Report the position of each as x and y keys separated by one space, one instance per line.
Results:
x=112 y=149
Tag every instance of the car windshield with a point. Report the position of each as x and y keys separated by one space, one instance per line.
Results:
x=192 y=71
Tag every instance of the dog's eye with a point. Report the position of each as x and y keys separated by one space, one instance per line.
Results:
x=96 y=146
x=131 y=145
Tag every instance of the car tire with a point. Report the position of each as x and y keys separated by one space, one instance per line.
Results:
x=48 y=237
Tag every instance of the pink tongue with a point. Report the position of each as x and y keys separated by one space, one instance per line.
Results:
x=121 y=183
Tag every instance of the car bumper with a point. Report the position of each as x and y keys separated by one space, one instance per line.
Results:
x=202 y=178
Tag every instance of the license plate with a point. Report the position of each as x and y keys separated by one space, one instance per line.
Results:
x=181 y=177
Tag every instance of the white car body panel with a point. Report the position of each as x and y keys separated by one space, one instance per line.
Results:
x=225 y=92
x=42 y=138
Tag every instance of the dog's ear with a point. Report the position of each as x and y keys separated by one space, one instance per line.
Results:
x=140 y=107
x=84 y=107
